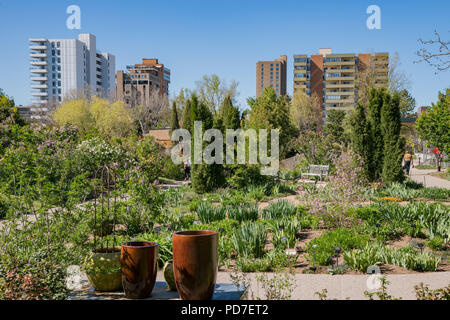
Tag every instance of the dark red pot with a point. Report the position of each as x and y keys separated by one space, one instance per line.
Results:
x=195 y=263
x=139 y=262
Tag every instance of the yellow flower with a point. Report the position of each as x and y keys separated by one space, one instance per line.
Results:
x=391 y=199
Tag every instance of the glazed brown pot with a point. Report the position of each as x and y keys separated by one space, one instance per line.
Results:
x=139 y=262
x=195 y=263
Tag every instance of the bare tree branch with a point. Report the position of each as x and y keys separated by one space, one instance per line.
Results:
x=149 y=115
x=439 y=59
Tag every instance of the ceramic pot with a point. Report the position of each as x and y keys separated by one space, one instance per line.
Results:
x=169 y=276
x=195 y=263
x=103 y=269
x=139 y=261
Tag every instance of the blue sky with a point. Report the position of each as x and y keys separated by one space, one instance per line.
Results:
x=197 y=37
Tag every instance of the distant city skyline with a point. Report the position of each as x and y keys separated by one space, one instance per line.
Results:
x=201 y=37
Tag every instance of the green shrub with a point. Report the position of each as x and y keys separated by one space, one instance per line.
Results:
x=256 y=193
x=279 y=209
x=242 y=176
x=253 y=265
x=435 y=193
x=227 y=226
x=308 y=221
x=382 y=231
x=437 y=243
x=165 y=246
x=244 y=212
x=343 y=238
x=4 y=206
x=400 y=191
x=36 y=278
x=193 y=205
x=207 y=213
x=425 y=293
x=431 y=218
x=362 y=259
x=406 y=257
x=274 y=260
x=249 y=240
x=409 y=258
x=285 y=232
x=172 y=170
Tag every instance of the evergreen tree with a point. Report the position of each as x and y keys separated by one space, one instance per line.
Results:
x=393 y=142
x=376 y=97
x=335 y=127
x=230 y=114
x=204 y=177
x=187 y=123
x=361 y=140
x=174 y=122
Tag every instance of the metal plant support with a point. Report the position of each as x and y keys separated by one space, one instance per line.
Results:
x=108 y=184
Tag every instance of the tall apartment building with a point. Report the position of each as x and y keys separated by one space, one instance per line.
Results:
x=271 y=74
x=135 y=86
x=61 y=66
x=333 y=77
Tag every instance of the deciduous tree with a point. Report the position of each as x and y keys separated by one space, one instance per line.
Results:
x=433 y=125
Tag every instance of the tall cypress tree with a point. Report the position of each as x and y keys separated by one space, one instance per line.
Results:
x=362 y=140
x=174 y=122
x=230 y=114
x=376 y=97
x=205 y=177
x=393 y=142
x=187 y=123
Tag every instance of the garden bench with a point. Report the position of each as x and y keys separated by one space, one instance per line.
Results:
x=316 y=171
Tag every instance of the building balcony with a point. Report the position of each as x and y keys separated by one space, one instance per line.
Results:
x=39 y=94
x=339 y=85
x=38 y=78
x=340 y=92
x=37 y=47
x=39 y=86
x=38 y=55
x=340 y=63
x=39 y=101
x=38 y=63
x=37 y=40
x=352 y=78
x=339 y=101
x=40 y=71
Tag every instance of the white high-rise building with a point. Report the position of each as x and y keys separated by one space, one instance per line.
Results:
x=60 y=67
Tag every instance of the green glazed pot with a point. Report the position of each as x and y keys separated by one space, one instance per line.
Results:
x=103 y=269
x=169 y=276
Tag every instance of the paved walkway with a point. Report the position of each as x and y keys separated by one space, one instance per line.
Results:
x=422 y=176
x=350 y=286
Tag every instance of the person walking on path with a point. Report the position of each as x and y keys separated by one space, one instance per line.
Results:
x=187 y=169
x=407 y=158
